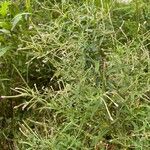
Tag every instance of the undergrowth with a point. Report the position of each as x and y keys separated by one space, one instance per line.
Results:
x=74 y=75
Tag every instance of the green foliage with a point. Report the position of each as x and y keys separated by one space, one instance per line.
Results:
x=4 y=50
x=18 y=18
x=4 y=6
x=74 y=75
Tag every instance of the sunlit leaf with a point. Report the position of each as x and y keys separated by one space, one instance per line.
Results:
x=3 y=50
x=4 y=31
x=17 y=18
x=97 y=66
x=4 y=8
x=28 y=4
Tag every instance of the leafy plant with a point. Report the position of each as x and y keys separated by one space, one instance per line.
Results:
x=4 y=8
x=75 y=75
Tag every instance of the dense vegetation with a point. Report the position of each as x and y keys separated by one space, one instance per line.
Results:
x=74 y=75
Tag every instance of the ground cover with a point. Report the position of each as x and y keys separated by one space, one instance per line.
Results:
x=74 y=75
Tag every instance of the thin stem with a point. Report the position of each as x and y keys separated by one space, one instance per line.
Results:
x=13 y=96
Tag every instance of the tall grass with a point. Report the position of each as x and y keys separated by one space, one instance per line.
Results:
x=76 y=77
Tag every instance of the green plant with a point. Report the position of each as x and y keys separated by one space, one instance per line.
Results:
x=77 y=76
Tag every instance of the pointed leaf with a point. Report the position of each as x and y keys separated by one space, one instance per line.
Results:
x=4 y=31
x=16 y=19
x=3 y=50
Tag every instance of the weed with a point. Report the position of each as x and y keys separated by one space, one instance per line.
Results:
x=74 y=75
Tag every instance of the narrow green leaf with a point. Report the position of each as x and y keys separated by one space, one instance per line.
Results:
x=97 y=66
x=28 y=4
x=3 y=50
x=15 y=21
x=17 y=18
x=4 y=31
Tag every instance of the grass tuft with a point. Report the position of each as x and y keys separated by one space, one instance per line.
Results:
x=74 y=75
